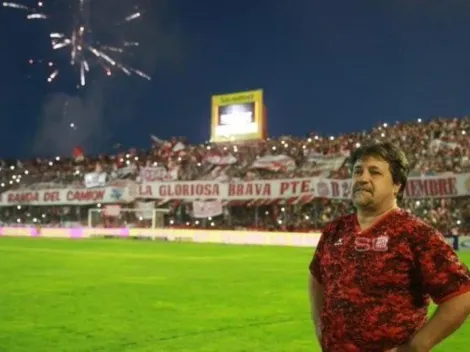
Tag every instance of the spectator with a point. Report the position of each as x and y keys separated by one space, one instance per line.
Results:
x=433 y=147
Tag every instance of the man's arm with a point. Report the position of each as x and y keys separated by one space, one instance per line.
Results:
x=448 y=317
x=316 y=303
x=447 y=280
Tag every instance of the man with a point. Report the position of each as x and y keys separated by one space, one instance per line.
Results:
x=374 y=272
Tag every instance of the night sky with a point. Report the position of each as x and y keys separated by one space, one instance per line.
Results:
x=325 y=66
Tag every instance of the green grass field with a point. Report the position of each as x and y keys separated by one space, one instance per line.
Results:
x=136 y=296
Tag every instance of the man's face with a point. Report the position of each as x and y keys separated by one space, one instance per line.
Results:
x=372 y=184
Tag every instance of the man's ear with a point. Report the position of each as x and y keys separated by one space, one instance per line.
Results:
x=396 y=189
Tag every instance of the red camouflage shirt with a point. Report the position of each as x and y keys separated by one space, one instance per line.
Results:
x=378 y=283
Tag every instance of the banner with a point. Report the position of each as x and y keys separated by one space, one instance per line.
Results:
x=259 y=189
x=220 y=160
x=95 y=179
x=66 y=196
x=124 y=172
x=321 y=162
x=202 y=210
x=178 y=147
x=112 y=210
x=446 y=186
x=218 y=173
x=145 y=210
x=276 y=163
x=442 y=186
x=158 y=173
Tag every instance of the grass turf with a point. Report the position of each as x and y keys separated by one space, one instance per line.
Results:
x=136 y=296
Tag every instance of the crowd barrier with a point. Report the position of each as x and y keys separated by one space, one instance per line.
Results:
x=292 y=239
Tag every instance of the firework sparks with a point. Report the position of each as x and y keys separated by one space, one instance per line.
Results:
x=81 y=45
x=112 y=48
x=36 y=16
x=33 y=15
x=132 y=17
x=53 y=75
x=142 y=74
x=56 y=35
x=17 y=6
x=129 y=18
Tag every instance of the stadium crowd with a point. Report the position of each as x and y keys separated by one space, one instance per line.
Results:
x=434 y=147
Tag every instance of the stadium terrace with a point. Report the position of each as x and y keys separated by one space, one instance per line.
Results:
x=277 y=184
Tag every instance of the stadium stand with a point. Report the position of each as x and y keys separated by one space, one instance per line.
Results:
x=435 y=147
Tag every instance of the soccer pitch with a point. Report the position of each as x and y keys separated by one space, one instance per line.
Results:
x=136 y=296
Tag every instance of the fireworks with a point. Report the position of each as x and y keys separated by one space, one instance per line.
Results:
x=83 y=49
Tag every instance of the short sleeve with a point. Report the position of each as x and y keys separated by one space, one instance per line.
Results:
x=443 y=275
x=315 y=263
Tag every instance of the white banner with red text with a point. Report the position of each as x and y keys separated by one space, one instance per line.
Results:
x=445 y=186
x=67 y=196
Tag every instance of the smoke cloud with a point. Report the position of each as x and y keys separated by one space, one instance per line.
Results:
x=93 y=118
x=68 y=121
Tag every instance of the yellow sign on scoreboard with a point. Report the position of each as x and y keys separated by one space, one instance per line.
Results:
x=238 y=116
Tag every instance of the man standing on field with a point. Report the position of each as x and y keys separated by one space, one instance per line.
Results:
x=374 y=272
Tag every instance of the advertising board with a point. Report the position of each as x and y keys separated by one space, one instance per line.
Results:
x=238 y=117
x=464 y=243
x=291 y=239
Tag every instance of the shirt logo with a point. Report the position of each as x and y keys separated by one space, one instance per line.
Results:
x=378 y=244
x=339 y=242
x=116 y=194
x=381 y=243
